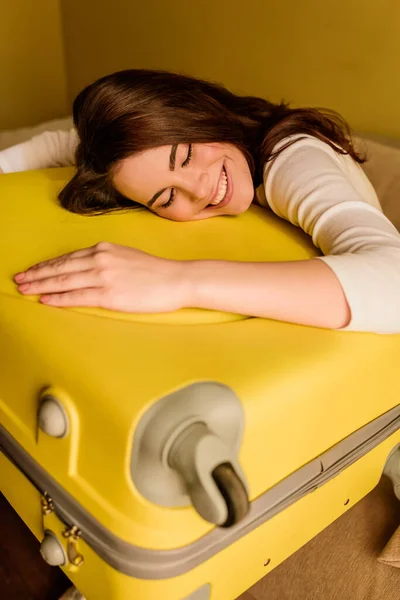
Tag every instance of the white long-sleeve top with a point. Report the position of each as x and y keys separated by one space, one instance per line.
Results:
x=322 y=192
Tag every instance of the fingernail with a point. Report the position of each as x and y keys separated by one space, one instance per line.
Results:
x=19 y=277
x=44 y=298
x=23 y=287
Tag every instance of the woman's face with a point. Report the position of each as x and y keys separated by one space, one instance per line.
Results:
x=187 y=182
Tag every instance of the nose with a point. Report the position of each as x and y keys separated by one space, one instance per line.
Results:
x=199 y=186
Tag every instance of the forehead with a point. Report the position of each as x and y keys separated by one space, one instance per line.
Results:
x=137 y=176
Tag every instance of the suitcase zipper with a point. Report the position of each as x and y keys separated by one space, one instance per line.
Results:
x=71 y=533
x=47 y=504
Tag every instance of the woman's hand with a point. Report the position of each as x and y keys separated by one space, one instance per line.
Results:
x=107 y=276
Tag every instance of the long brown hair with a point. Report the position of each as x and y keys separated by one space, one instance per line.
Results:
x=134 y=110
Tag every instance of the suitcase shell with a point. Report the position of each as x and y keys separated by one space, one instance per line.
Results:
x=318 y=410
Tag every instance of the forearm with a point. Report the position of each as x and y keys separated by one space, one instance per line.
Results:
x=48 y=149
x=303 y=292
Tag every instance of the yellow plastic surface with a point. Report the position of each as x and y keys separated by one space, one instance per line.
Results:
x=303 y=389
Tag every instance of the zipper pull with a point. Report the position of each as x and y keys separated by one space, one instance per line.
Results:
x=72 y=534
x=47 y=504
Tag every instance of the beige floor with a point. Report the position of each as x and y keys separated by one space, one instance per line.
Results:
x=341 y=563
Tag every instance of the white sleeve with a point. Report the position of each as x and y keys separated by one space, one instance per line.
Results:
x=330 y=198
x=48 y=149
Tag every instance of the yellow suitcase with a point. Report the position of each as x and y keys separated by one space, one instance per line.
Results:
x=179 y=456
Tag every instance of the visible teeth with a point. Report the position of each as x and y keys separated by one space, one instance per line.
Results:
x=223 y=185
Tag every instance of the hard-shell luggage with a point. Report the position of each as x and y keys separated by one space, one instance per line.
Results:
x=185 y=455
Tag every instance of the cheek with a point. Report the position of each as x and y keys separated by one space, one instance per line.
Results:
x=245 y=171
x=177 y=214
x=242 y=182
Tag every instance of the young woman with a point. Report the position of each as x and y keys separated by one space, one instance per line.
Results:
x=187 y=149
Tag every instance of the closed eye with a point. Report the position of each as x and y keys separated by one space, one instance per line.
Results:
x=173 y=192
x=188 y=158
x=170 y=199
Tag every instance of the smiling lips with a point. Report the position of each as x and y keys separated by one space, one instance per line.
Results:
x=220 y=196
x=222 y=189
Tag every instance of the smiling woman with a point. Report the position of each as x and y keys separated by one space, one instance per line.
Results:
x=188 y=149
x=185 y=194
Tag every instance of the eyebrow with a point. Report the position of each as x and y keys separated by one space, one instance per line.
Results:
x=172 y=158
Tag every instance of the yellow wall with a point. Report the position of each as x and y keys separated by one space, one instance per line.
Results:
x=344 y=54
x=32 y=67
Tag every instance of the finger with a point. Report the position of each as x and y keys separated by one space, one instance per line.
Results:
x=60 y=283
x=58 y=267
x=55 y=262
x=62 y=257
x=84 y=297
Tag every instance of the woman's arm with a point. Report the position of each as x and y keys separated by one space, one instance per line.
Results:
x=304 y=292
x=125 y=279
x=331 y=199
x=48 y=149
